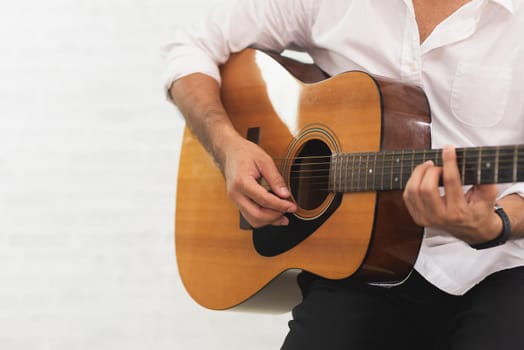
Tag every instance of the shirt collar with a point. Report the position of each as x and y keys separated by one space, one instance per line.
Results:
x=509 y=5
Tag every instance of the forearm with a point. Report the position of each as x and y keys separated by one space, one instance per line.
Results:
x=198 y=98
x=243 y=163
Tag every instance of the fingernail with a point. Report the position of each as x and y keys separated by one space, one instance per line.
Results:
x=284 y=191
x=283 y=222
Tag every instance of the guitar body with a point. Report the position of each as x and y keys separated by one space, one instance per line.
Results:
x=224 y=263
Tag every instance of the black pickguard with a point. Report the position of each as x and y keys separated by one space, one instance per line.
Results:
x=270 y=241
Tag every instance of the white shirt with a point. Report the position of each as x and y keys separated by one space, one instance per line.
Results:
x=470 y=67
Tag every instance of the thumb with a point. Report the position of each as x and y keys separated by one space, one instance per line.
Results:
x=485 y=193
x=274 y=179
x=278 y=185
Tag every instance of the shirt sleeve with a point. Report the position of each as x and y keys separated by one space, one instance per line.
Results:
x=517 y=188
x=233 y=26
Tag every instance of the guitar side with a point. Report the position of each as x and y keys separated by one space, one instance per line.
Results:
x=216 y=257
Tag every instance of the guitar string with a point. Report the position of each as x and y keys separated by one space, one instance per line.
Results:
x=418 y=154
x=302 y=168
x=396 y=163
x=509 y=158
x=505 y=163
x=362 y=175
x=393 y=157
x=365 y=167
x=404 y=175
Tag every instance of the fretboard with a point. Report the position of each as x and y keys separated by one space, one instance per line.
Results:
x=390 y=170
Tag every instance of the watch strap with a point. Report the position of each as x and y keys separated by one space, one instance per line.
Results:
x=504 y=234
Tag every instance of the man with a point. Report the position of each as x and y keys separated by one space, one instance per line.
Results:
x=467 y=289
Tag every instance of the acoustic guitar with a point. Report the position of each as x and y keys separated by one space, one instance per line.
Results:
x=346 y=145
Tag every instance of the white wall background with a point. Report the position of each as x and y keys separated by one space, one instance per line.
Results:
x=88 y=165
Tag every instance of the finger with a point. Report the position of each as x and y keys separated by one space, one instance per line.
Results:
x=258 y=216
x=411 y=195
x=451 y=178
x=433 y=204
x=282 y=221
x=484 y=193
x=411 y=190
x=273 y=178
x=275 y=181
x=489 y=192
x=258 y=194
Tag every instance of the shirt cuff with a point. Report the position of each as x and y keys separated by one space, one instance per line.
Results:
x=517 y=188
x=187 y=61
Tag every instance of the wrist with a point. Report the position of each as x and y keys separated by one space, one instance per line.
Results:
x=504 y=231
x=225 y=141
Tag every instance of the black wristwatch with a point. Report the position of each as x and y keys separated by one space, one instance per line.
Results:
x=504 y=235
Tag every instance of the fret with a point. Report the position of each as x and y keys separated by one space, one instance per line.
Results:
x=390 y=168
x=381 y=167
x=507 y=171
x=496 y=169
x=384 y=162
x=338 y=166
x=395 y=167
x=401 y=166
x=479 y=166
x=412 y=167
x=345 y=166
x=404 y=171
x=463 y=172
x=391 y=163
x=347 y=169
x=407 y=166
x=515 y=163
x=365 y=171
x=352 y=172
x=437 y=157
x=518 y=164
x=460 y=163
x=344 y=174
x=343 y=171
x=336 y=185
x=488 y=165
x=359 y=173
x=342 y=186
x=336 y=170
x=340 y=171
x=333 y=171
x=374 y=171
x=470 y=167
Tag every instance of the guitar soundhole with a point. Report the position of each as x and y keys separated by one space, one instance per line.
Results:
x=309 y=175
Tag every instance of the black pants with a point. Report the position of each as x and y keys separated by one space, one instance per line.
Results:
x=336 y=315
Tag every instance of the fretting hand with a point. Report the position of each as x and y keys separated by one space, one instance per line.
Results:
x=468 y=216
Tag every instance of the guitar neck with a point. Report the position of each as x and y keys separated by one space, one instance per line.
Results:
x=390 y=170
